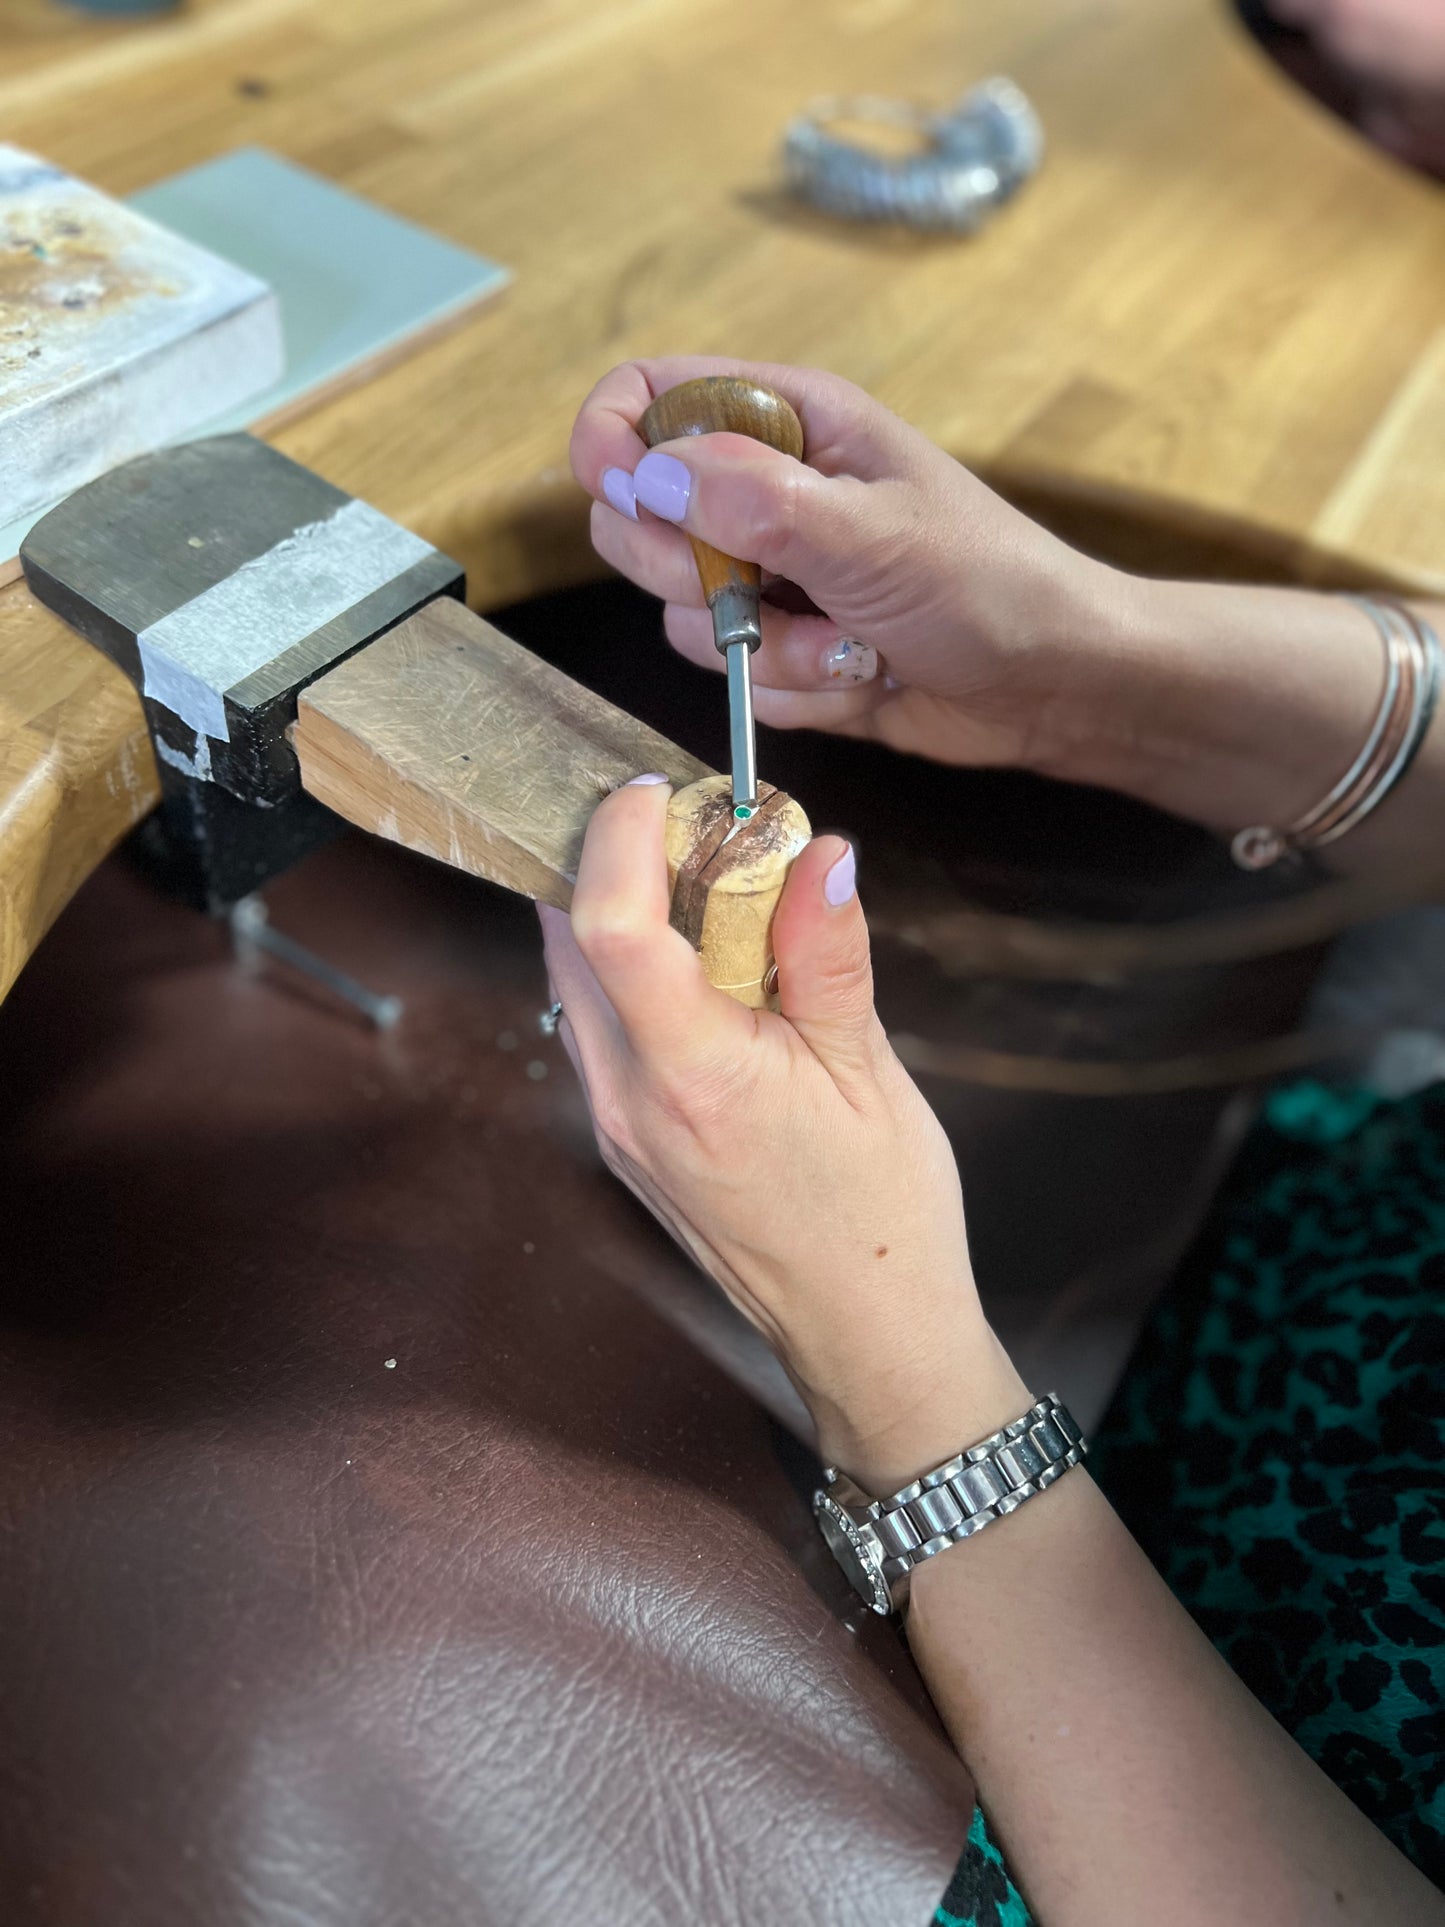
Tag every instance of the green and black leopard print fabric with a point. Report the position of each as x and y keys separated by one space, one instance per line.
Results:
x=1277 y=1447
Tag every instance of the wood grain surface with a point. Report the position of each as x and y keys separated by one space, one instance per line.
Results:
x=76 y=771
x=722 y=403
x=449 y=738
x=1211 y=335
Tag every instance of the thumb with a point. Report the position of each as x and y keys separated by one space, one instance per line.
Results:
x=753 y=501
x=825 y=974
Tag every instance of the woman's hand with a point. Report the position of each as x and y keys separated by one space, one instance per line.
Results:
x=942 y=621
x=1395 y=52
x=947 y=624
x=1398 y=42
x=790 y=1154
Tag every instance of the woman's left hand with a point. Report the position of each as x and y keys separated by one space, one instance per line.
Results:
x=789 y=1153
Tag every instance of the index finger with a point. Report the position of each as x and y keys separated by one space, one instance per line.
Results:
x=845 y=431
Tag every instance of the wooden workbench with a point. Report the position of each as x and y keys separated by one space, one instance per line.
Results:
x=1211 y=335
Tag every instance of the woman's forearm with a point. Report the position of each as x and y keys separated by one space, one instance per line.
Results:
x=1129 y=1775
x=1235 y=705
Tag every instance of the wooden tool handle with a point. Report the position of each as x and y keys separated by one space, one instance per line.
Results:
x=447 y=737
x=723 y=403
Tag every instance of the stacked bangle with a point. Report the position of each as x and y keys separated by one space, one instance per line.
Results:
x=1407 y=705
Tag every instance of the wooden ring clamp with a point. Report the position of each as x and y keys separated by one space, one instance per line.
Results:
x=301 y=658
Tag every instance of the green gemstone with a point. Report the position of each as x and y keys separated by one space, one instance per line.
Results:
x=743 y=812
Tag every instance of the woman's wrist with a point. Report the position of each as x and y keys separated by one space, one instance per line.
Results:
x=924 y=1411
x=1225 y=705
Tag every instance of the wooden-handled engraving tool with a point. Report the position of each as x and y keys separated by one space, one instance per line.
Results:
x=706 y=406
x=301 y=658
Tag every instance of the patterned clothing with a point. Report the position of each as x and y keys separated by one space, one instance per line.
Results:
x=1277 y=1447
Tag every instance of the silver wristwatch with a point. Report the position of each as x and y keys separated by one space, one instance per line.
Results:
x=878 y=1542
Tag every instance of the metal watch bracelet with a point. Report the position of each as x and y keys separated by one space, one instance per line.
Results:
x=879 y=1542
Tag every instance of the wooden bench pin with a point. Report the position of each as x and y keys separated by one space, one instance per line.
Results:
x=301 y=659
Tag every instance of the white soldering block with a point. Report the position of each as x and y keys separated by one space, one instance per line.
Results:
x=116 y=336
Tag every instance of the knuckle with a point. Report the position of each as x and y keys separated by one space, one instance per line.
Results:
x=689 y=630
x=775 y=513
x=752 y=501
x=793 y=498
x=609 y=539
x=608 y=935
x=848 y=982
x=883 y=1060
x=610 y=1152
x=576 y=448
x=823 y=385
x=612 y=1126
x=705 y=1101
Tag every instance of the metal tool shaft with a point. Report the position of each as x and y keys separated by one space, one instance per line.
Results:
x=737 y=631
x=740 y=721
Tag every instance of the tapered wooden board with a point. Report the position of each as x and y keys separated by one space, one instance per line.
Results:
x=448 y=737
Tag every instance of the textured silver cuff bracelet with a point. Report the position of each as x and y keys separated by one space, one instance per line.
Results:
x=975 y=156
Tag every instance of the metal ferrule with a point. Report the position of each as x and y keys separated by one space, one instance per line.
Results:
x=735 y=618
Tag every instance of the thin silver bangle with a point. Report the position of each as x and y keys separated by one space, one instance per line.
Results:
x=1424 y=698
x=1413 y=665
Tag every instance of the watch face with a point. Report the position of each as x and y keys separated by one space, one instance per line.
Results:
x=857 y=1552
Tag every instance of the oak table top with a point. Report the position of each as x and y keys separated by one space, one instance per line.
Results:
x=1210 y=334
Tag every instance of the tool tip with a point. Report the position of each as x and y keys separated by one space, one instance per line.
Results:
x=744 y=812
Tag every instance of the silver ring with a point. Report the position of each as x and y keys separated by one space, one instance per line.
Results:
x=548 y=1020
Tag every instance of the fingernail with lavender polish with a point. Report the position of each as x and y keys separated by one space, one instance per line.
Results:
x=663 y=485
x=651 y=777
x=848 y=660
x=841 y=881
x=618 y=488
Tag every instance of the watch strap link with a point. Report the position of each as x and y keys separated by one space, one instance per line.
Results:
x=967 y=1492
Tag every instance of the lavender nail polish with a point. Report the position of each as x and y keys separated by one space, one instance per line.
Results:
x=848 y=660
x=618 y=488
x=842 y=880
x=651 y=777
x=663 y=485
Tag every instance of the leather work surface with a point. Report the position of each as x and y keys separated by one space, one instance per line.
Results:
x=531 y=1625
x=534 y=1624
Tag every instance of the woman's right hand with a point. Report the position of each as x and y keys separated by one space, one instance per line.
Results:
x=943 y=622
